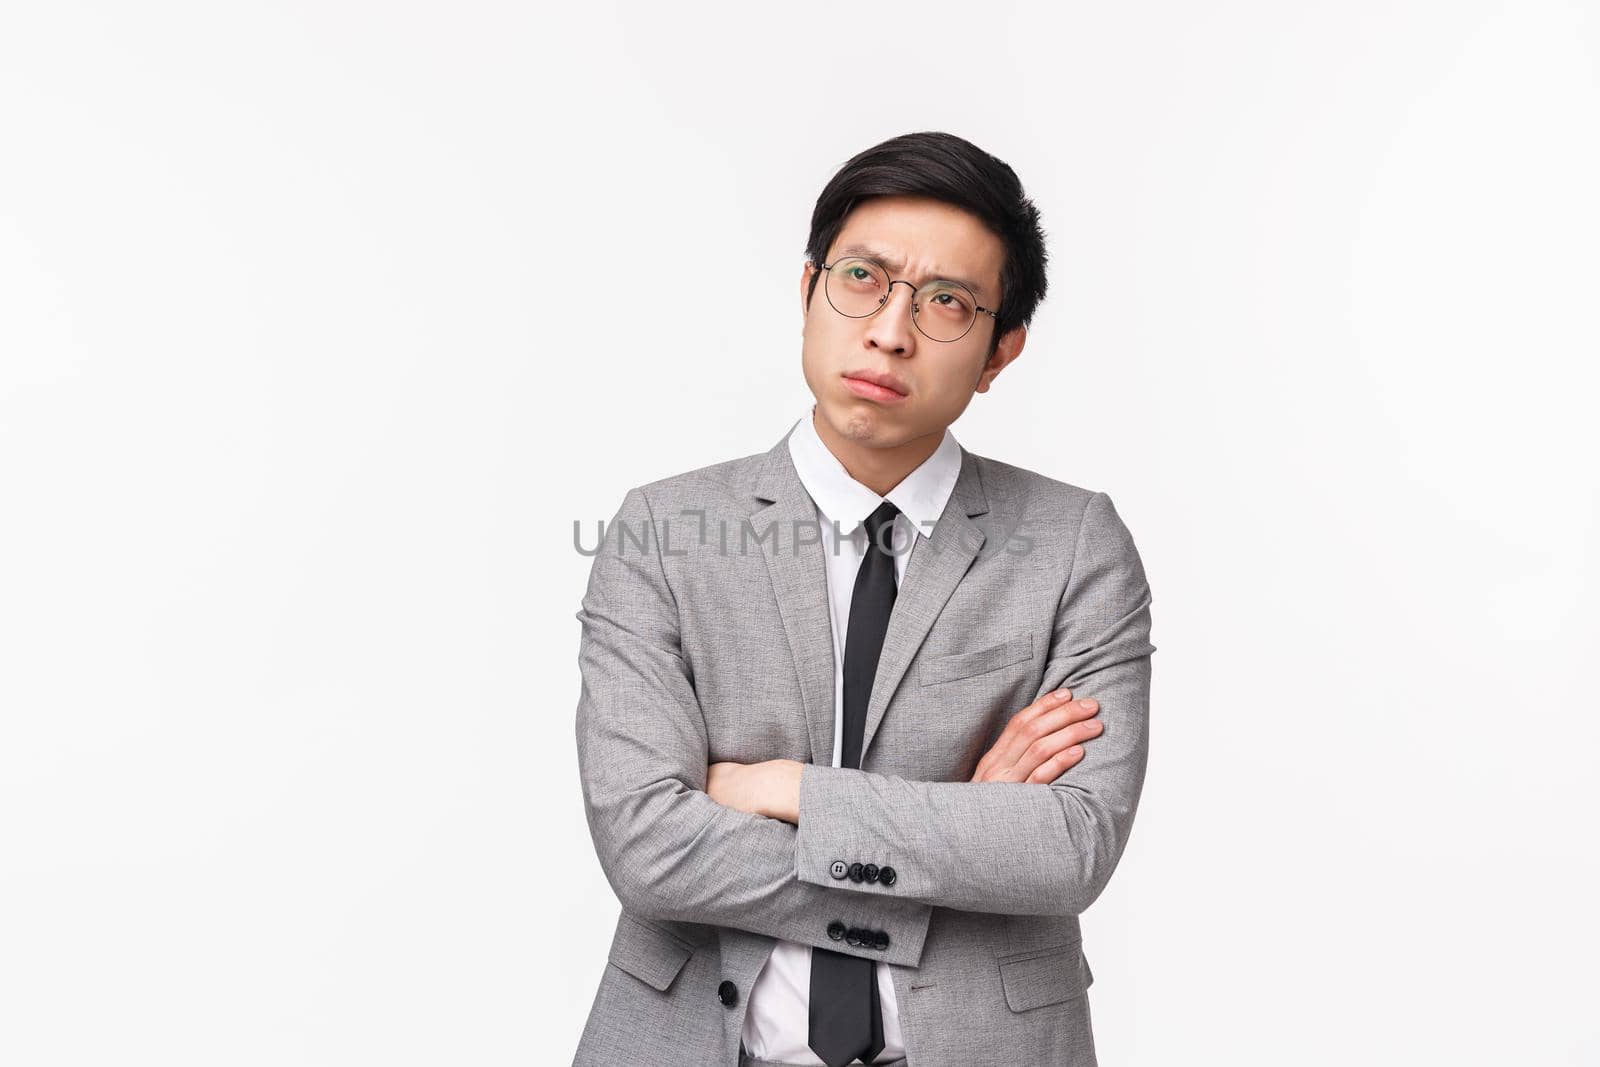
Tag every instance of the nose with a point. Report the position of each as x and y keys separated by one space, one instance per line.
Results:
x=890 y=327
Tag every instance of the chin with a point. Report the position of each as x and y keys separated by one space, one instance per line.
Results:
x=870 y=425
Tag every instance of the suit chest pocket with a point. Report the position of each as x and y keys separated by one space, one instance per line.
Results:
x=1017 y=648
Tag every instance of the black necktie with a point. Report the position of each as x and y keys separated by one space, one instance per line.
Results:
x=846 y=1020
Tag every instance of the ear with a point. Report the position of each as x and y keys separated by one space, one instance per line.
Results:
x=1009 y=348
x=805 y=283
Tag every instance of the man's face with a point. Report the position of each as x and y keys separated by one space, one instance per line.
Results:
x=918 y=239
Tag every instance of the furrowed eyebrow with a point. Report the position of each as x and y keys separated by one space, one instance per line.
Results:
x=896 y=265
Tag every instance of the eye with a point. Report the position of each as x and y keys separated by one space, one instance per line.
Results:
x=952 y=301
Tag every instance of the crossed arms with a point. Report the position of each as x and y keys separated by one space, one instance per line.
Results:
x=671 y=852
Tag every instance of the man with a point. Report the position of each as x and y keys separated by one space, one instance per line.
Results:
x=862 y=726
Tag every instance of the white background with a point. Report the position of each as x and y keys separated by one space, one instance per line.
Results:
x=321 y=323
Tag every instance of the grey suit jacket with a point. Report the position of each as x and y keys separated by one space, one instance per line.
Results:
x=705 y=638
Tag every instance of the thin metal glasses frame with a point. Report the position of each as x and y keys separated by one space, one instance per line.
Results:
x=888 y=291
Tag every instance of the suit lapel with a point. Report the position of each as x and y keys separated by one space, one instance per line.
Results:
x=936 y=567
x=800 y=583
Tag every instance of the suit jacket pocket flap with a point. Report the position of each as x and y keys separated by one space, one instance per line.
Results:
x=648 y=952
x=1014 y=649
x=1045 y=977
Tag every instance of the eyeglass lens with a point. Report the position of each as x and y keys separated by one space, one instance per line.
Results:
x=942 y=310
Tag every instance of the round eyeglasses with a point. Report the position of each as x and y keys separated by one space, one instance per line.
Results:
x=941 y=310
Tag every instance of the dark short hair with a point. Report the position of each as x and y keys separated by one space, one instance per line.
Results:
x=952 y=169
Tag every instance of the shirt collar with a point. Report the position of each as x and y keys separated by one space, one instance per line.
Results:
x=920 y=495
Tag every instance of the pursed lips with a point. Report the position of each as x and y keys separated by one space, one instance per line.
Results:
x=883 y=381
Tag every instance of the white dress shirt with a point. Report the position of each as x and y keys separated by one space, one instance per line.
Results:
x=777 y=1020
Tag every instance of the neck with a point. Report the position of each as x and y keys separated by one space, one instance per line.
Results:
x=879 y=469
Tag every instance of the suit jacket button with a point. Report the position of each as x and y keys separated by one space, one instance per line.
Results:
x=855 y=872
x=727 y=992
x=880 y=939
x=854 y=935
x=886 y=875
x=870 y=872
x=836 y=930
x=839 y=869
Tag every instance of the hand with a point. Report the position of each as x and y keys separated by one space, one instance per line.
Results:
x=770 y=788
x=1042 y=740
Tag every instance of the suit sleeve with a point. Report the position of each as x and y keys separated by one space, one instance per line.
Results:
x=668 y=850
x=1015 y=847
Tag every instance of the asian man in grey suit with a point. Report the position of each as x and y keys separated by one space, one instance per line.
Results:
x=863 y=719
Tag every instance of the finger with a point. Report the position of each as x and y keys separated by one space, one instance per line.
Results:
x=1022 y=728
x=1050 y=745
x=1074 y=712
x=1022 y=732
x=1080 y=731
x=1056 y=765
x=1051 y=700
